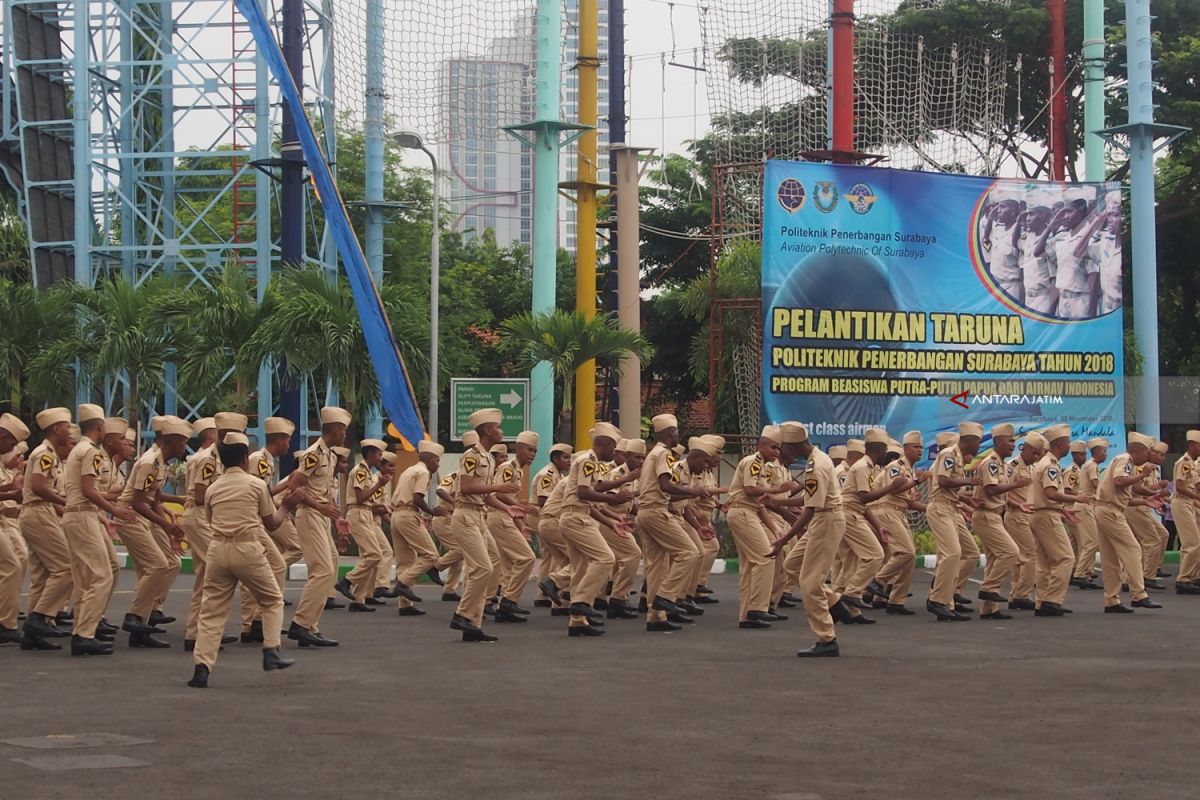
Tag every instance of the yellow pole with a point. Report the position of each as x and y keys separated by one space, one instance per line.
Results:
x=588 y=64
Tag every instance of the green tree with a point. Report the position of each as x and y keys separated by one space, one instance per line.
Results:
x=14 y=243
x=31 y=320
x=567 y=340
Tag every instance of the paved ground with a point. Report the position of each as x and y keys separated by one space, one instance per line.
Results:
x=1088 y=706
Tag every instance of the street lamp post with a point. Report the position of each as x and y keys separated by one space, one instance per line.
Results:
x=410 y=140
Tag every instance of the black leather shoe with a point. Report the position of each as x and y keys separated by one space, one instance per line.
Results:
x=560 y=611
x=702 y=589
x=450 y=597
x=941 y=611
x=228 y=638
x=1155 y=583
x=680 y=619
x=856 y=602
x=434 y=576
x=959 y=600
x=995 y=597
x=344 y=588
x=189 y=645
x=255 y=634
x=381 y=592
x=1021 y=604
x=409 y=611
x=38 y=625
x=304 y=637
x=463 y=624
x=663 y=604
x=662 y=626
x=9 y=635
x=1047 y=609
x=690 y=608
x=512 y=608
x=840 y=612
x=503 y=615
x=761 y=616
x=31 y=642
x=362 y=608
x=785 y=603
x=898 y=609
x=617 y=609
x=1162 y=573
x=333 y=605
x=89 y=647
x=104 y=626
x=643 y=607
x=791 y=597
x=324 y=641
x=374 y=601
x=585 y=630
x=550 y=590
x=478 y=636
x=1145 y=602
x=272 y=660
x=105 y=637
x=754 y=624
x=862 y=619
x=146 y=641
x=489 y=610
x=287 y=603
x=400 y=590
x=778 y=617
x=995 y=615
x=1118 y=609
x=1087 y=583
x=543 y=602
x=876 y=588
x=600 y=604
x=584 y=610
x=65 y=619
x=199 y=677
x=705 y=599
x=159 y=618
x=820 y=650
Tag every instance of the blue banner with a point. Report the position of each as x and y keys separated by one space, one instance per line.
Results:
x=888 y=294
x=394 y=386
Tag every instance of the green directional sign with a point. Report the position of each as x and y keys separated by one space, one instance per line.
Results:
x=510 y=395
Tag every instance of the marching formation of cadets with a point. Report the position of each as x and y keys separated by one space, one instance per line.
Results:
x=833 y=536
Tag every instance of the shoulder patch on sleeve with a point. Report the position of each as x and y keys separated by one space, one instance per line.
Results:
x=506 y=473
x=1052 y=473
x=589 y=468
x=755 y=468
x=948 y=462
x=469 y=463
x=311 y=460
x=993 y=468
x=894 y=471
x=842 y=479
x=148 y=484
x=671 y=459
x=811 y=484
x=46 y=462
x=547 y=481
x=97 y=461
x=208 y=470
x=264 y=468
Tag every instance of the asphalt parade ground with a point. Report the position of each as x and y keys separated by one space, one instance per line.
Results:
x=1088 y=706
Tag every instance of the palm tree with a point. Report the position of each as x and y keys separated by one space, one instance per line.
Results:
x=32 y=319
x=567 y=340
x=314 y=325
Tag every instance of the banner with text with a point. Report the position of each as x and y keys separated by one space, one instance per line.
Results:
x=886 y=293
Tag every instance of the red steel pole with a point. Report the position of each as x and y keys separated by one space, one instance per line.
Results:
x=843 y=79
x=1056 y=10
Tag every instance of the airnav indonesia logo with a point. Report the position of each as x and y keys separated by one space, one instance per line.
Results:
x=791 y=195
x=860 y=198
x=825 y=196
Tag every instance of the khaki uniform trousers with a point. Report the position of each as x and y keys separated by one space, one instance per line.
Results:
x=251 y=610
x=164 y=543
x=287 y=541
x=811 y=559
x=628 y=556
x=865 y=555
x=1120 y=554
x=670 y=556
x=516 y=556
x=199 y=536
x=1025 y=573
x=709 y=550
x=12 y=573
x=50 y=581
x=1001 y=550
x=1055 y=560
x=756 y=569
x=313 y=529
x=468 y=535
x=451 y=559
x=413 y=547
x=155 y=573
x=901 y=562
x=363 y=528
x=591 y=558
x=1151 y=535
x=946 y=522
x=555 y=558
x=1188 y=529
x=92 y=571
x=969 y=558
x=230 y=561
x=1086 y=541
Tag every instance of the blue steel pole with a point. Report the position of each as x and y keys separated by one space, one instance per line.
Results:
x=373 y=131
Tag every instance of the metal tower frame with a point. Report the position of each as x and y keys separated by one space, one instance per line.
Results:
x=179 y=130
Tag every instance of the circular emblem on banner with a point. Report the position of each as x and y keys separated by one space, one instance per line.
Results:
x=861 y=198
x=791 y=195
x=825 y=196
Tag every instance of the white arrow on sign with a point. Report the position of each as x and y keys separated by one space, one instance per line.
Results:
x=510 y=399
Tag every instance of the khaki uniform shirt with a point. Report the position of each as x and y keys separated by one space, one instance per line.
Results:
x=545 y=480
x=361 y=477
x=146 y=475
x=750 y=471
x=948 y=462
x=614 y=474
x=1018 y=469
x=85 y=459
x=236 y=503
x=202 y=469
x=682 y=476
x=1046 y=473
x=1108 y=491
x=993 y=471
x=477 y=463
x=1185 y=475
x=885 y=476
x=660 y=461
x=262 y=465
x=857 y=479
x=413 y=481
x=558 y=496
x=1089 y=478
x=586 y=470
x=821 y=489
x=512 y=473
x=42 y=461
x=318 y=463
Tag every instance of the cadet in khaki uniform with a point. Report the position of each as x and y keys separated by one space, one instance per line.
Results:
x=627 y=554
x=865 y=535
x=947 y=478
x=316 y=472
x=1119 y=550
x=1017 y=516
x=691 y=470
x=170 y=546
x=894 y=579
x=1086 y=480
x=1049 y=498
x=756 y=567
x=155 y=572
x=670 y=555
x=359 y=583
x=1145 y=522
x=13 y=432
x=558 y=580
x=381 y=506
x=412 y=545
x=707 y=507
x=516 y=556
x=451 y=559
x=1184 y=509
x=238 y=506
x=50 y=581
x=552 y=546
x=85 y=532
x=987 y=522
x=468 y=530
x=820 y=527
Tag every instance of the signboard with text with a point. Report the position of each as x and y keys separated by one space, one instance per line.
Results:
x=510 y=395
